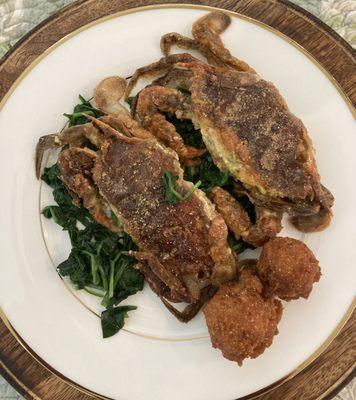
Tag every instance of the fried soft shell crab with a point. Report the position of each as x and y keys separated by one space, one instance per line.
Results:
x=183 y=250
x=244 y=121
x=182 y=247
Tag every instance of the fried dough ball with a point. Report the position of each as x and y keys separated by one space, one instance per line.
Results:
x=287 y=268
x=241 y=322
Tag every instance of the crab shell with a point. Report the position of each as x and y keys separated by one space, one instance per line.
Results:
x=183 y=246
x=249 y=131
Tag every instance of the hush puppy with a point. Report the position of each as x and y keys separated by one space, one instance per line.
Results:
x=241 y=322
x=287 y=268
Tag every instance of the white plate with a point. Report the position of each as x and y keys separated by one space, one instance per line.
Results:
x=58 y=327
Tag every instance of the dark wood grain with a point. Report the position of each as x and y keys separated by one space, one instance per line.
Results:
x=328 y=48
x=317 y=381
x=325 y=375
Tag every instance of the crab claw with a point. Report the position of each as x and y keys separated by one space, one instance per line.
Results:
x=160 y=67
x=45 y=143
x=75 y=136
x=108 y=93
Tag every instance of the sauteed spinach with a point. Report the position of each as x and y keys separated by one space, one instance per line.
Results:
x=96 y=262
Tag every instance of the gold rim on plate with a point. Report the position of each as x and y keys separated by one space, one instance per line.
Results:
x=335 y=83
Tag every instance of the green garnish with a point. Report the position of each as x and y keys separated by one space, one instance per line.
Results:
x=113 y=320
x=208 y=173
x=172 y=196
x=84 y=107
x=96 y=262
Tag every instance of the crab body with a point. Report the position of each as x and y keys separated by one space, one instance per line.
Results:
x=183 y=247
x=244 y=121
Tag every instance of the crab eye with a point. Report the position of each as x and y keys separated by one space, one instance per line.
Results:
x=201 y=275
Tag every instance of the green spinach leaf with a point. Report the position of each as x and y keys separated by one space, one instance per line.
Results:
x=207 y=173
x=84 y=107
x=113 y=319
x=185 y=127
x=96 y=262
x=172 y=196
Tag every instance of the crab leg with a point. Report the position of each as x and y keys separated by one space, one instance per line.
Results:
x=155 y=100
x=231 y=210
x=107 y=96
x=166 y=296
x=313 y=223
x=124 y=123
x=160 y=67
x=183 y=42
x=207 y=41
x=76 y=165
x=74 y=136
x=268 y=223
x=207 y=30
x=224 y=259
x=108 y=131
x=175 y=285
x=156 y=284
x=191 y=310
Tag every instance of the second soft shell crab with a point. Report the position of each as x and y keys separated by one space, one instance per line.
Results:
x=244 y=121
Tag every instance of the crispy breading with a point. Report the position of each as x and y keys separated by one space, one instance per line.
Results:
x=76 y=166
x=288 y=268
x=245 y=123
x=241 y=322
x=175 y=240
x=268 y=223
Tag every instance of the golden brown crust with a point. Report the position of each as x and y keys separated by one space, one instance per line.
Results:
x=108 y=93
x=241 y=322
x=177 y=250
x=138 y=194
x=245 y=123
x=206 y=31
x=268 y=225
x=247 y=126
x=176 y=237
x=249 y=131
x=224 y=260
x=288 y=269
x=76 y=166
x=231 y=210
x=155 y=100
